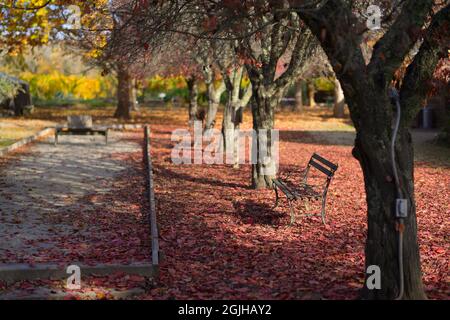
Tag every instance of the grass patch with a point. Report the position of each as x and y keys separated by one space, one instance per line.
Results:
x=12 y=130
x=5 y=142
x=68 y=103
x=431 y=152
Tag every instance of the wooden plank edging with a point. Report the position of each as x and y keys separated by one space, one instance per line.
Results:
x=11 y=273
x=151 y=198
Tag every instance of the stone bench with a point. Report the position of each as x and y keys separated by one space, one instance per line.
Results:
x=80 y=125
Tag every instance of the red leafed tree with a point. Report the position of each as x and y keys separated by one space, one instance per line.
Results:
x=287 y=40
x=180 y=57
x=274 y=46
x=269 y=30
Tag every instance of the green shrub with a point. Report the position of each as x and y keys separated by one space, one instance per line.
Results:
x=8 y=88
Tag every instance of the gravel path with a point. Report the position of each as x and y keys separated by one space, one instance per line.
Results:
x=57 y=203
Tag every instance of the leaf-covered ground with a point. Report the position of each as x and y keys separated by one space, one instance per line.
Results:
x=80 y=202
x=222 y=240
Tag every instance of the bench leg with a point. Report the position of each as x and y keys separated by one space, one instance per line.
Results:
x=106 y=138
x=324 y=200
x=56 y=138
x=292 y=211
x=277 y=197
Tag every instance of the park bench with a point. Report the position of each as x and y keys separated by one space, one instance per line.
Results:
x=305 y=191
x=80 y=125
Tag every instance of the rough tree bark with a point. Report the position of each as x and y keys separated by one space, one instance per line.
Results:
x=123 y=92
x=381 y=247
x=339 y=100
x=366 y=91
x=193 y=98
x=263 y=108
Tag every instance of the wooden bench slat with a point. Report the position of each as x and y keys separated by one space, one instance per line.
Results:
x=325 y=161
x=318 y=166
x=284 y=188
x=80 y=131
x=307 y=191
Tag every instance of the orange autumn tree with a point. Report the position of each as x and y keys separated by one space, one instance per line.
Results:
x=86 y=25
x=101 y=21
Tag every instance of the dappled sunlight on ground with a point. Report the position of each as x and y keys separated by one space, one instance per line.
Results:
x=220 y=239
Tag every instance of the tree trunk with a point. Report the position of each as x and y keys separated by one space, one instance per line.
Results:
x=193 y=99
x=134 y=103
x=263 y=161
x=298 y=96
x=373 y=153
x=211 y=115
x=22 y=100
x=339 y=100
x=232 y=119
x=232 y=114
x=213 y=103
x=123 y=93
x=238 y=119
x=373 y=150
x=228 y=131
x=311 y=93
x=365 y=87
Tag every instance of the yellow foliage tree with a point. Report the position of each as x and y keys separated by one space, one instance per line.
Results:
x=33 y=22
x=25 y=23
x=55 y=84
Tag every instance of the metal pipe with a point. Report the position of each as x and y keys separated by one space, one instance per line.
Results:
x=394 y=138
x=394 y=95
x=400 y=265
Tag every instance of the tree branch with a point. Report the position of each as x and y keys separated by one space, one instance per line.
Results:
x=390 y=51
x=303 y=50
x=434 y=47
x=334 y=25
